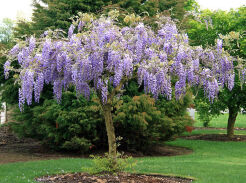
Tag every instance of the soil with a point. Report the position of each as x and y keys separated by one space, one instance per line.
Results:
x=216 y=137
x=14 y=149
x=120 y=178
x=214 y=128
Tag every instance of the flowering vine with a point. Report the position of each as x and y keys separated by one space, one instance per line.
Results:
x=98 y=53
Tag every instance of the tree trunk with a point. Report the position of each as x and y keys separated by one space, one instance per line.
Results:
x=6 y=113
x=231 y=122
x=110 y=131
x=109 y=121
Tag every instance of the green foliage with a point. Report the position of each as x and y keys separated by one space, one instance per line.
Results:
x=23 y=29
x=173 y=107
x=78 y=124
x=56 y=14
x=206 y=110
x=76 y=143
x=175 y=8
x=52 y=14
x=176 y=110
x=142 y=124
x=75 y=124
x=151 y=6
x=9 y=90
x=219 y=22
x=192 y=5
x=106 y=164
x=202 y=109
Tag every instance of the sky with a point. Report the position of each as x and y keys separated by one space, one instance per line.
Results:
x=23 y=9
x=15 y=8
x=220 y=4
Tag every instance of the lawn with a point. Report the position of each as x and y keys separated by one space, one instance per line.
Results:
x=214 y=131
x=211 y=162
x=221 y=121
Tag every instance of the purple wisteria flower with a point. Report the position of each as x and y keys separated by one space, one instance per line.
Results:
x=70 y=31
x=6 y=69
x=103 y=56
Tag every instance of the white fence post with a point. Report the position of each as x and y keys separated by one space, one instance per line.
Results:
x=4 y=113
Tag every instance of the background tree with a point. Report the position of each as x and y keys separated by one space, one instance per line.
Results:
x=53 y=14
x=6 y=42
x=205 y=29
x=152 y=7
x=23 y=29
x=218 y=23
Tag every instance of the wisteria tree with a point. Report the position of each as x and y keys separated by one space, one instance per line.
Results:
x=100 y=56
x=204 y=30
x=232 y=100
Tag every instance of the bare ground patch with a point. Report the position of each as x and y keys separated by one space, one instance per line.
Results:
x=13 y=149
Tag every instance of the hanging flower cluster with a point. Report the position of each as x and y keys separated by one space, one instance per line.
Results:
x=98 y=53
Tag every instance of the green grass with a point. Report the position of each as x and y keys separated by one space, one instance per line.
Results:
x=24 y=172
x=221 y=121
x=211 y=162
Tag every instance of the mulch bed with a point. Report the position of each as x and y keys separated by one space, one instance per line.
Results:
x=216 y=128
x=6 y=137
x=120 y=178
x=216 y=137
x=14 y=149
x=164 y=150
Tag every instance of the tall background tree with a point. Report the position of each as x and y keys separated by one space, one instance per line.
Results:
x=53 y=14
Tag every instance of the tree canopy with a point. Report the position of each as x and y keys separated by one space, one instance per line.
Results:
x=57 y=13
x=231 y=27
x=205 y=29
x=54 y=14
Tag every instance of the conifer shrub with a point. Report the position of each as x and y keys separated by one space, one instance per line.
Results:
x=144 y=123
x=77 y=124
